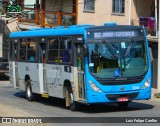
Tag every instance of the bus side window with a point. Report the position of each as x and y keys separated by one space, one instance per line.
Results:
x=53 y=50
x=32 y=55
x=23 y=45
x=31 y=50
x=65 y=50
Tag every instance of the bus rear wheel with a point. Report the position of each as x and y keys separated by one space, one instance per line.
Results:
x=29 y=93
x=70 y=99
x=122 y=105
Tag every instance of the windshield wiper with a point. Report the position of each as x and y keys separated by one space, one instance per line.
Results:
x=127 y=50
x=111 y=51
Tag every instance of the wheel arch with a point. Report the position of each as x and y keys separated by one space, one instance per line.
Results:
x=66 y=84
x=27 y=77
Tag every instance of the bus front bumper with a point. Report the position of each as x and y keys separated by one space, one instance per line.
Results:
x=101 y=97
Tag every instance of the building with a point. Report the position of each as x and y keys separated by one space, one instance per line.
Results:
x=50 y=13
x=4 y=38
x=1 y=7
x=3 y=4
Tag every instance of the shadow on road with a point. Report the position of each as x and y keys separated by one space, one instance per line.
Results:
x=113 y=107
x=55 y=102
x=92 y=109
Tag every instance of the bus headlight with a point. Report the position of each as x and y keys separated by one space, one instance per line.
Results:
x=94 y=87
x=146 y=84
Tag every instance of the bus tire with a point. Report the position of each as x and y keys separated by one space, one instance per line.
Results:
x=70 y=99
x=122 y=105
x=29 y=93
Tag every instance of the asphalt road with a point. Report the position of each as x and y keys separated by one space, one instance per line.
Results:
x=17 y=105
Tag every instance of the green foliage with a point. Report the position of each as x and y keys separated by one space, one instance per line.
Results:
x=13 y=8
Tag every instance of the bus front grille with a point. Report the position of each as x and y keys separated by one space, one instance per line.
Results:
x=114 y=97
x=120 y=82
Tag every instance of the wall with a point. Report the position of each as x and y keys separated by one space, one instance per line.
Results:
x=4 y=31
x=57 y=5
x=144 y=9
x=67 y=6
x=53 y=5
x=154 y=64
x=103 y=13
x=141 y=9
x=1 y=7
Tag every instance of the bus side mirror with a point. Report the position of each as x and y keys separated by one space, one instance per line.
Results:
x=85 y=50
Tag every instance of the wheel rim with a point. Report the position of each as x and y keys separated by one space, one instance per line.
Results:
x=71 y=98
x=28 y=92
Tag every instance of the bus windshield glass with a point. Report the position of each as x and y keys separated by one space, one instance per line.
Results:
x=118 y=59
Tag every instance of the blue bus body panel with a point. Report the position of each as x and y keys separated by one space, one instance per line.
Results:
x=109 y=93
x=62 y=31
x=49 y=32
x=135 y=91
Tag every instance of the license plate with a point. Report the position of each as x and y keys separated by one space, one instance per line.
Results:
x=123 y=99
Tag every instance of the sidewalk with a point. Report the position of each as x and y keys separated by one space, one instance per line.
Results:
x=155 y=93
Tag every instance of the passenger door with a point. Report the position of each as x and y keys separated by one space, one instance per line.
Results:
x=15 y=59
x=43 y=61
x=80 y=71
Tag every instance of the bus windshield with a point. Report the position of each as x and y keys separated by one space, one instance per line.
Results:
x=118 y=59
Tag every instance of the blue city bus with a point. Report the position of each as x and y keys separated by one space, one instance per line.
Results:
x=82 y=64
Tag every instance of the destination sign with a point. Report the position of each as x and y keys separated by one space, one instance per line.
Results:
x=114 y=34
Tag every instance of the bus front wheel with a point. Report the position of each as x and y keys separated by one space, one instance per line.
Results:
x=29 y=93
x=70 y=99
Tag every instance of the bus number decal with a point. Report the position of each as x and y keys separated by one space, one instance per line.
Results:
x=54 y=73
x=135 y=88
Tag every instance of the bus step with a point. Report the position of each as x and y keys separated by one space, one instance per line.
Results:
x=82 y=100
x=44 y=95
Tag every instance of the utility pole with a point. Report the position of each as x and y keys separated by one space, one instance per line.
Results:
x=130 y=12
x=158 y=76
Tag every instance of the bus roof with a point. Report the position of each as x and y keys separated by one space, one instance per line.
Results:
x=116 y=27
x=57 y=31
x=60 y=30
x=47 y=32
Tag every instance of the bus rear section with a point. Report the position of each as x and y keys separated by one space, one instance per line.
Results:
x=47 y=65
x=118 y=65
